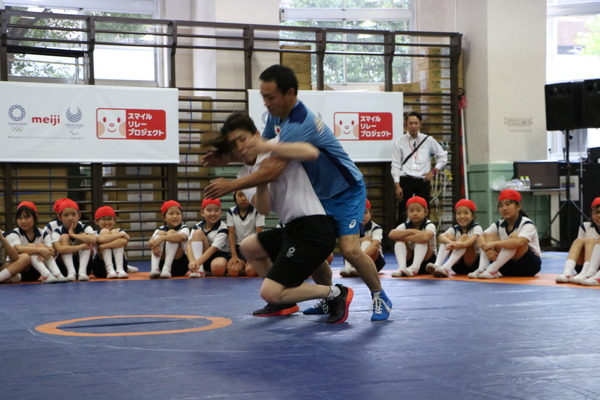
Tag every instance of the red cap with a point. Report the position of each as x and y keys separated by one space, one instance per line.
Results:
x=206 y=202
x=168 y=204
x=105 y=211
x=29 y=205
x=56 y=205
x=67 y=203
x=466 y=203
x=418 y=200
x=368 y=205
x=596 y=202
x=509 y=194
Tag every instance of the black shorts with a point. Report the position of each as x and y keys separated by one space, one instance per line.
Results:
x=461 y=268
x=379 y=262
x=180 y=266
x=99 y=266
x=216 y=254
x=528 y=265
x=423 y=266
x=299 y=248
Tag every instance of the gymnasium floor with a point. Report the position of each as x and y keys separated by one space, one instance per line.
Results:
x=196 y=339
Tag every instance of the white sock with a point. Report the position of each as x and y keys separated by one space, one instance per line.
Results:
x=84 y=258
x=347 y=264
x=484 y=262
x=107 y=256
x=400 y=251
x=155 y=260
x=118 y=253
x=334 y=291
x=39 y=266
x=4 y=275
x=584 y=269
x=419 y=252
x=170 y=250
x=442 y=254
x=594 y=260
x=454 y=257
x=197 y=249
x=569 y=267
x=503 y=257
x=53 y=267
x=68 y=260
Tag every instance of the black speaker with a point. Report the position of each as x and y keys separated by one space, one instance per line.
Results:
x=591 y=111
x=564 y=106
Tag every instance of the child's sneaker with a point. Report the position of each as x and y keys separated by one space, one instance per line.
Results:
x=318 y=309
x=593 y=280
x=441 y=272
x=564 y=278
x=71 y=278
x=347 y=272
x=122 y=275
x=112 y=275
x=402 y=271
x=490 y=275
x=197 y=274
x=16 y=278
x=61 y=278
x=154 y=274
x=165 y=275
x=580 y=277
x=83 y=277
x=50 y=279
x=132 y=270
x=430 y=268
x=475 y=274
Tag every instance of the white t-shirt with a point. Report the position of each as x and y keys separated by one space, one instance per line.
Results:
x=425 y=225
x=18 y=237
x=292 y=195
x=180 y=229
x=244 y=226
x=524 y=227
x=217 y=236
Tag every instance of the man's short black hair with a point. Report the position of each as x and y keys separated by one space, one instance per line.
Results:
x=283 y=76
x=413 y=114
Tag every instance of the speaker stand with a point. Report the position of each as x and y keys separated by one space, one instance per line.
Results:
x=568 y=200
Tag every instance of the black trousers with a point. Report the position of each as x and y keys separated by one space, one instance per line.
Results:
x=412 y=187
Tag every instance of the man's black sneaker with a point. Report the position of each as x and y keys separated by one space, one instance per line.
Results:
x=273 y=310
x=338 y=307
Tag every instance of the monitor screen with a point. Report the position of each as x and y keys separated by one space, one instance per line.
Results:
x=542 y=174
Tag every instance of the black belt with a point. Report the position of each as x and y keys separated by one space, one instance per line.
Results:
x=414 y=178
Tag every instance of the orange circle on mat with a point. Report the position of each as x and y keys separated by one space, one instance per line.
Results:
x=53 y=327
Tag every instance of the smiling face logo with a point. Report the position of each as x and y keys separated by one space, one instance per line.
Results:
x=110 y=124
x=346 y=126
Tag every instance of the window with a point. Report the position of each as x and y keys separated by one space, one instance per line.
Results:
x=351 y=14
x=573 y=54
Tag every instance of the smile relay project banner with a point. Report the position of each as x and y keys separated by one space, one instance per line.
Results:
x=365 y=123
x=76 y=123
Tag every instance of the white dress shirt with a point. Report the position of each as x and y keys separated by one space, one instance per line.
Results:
x=420 y=162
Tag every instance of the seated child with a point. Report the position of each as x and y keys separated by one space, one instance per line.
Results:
x=371 y=236
x=242 y=221
x=586 y=250
x=168 y=244
x=55 y=223
x=10 y=271
x=510 y=244
x=458 y=249
x=31 y=240
x=415 y=239
x=110 y=259
x=208 y=248
x=74 y=242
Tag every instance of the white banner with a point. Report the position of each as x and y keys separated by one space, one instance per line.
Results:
x=365 y=123
x=84 y=123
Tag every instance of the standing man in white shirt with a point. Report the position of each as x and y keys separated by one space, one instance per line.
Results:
x=411 y=163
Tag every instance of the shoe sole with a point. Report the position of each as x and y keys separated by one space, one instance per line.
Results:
x=349 y=298
x=286 y=311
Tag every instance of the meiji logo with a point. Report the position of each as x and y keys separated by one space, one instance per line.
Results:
x=51 y=120
x=290 y=252
x=352 y=224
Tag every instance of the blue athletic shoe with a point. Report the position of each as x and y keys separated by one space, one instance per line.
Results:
x=381 y=307
x=320 y=308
